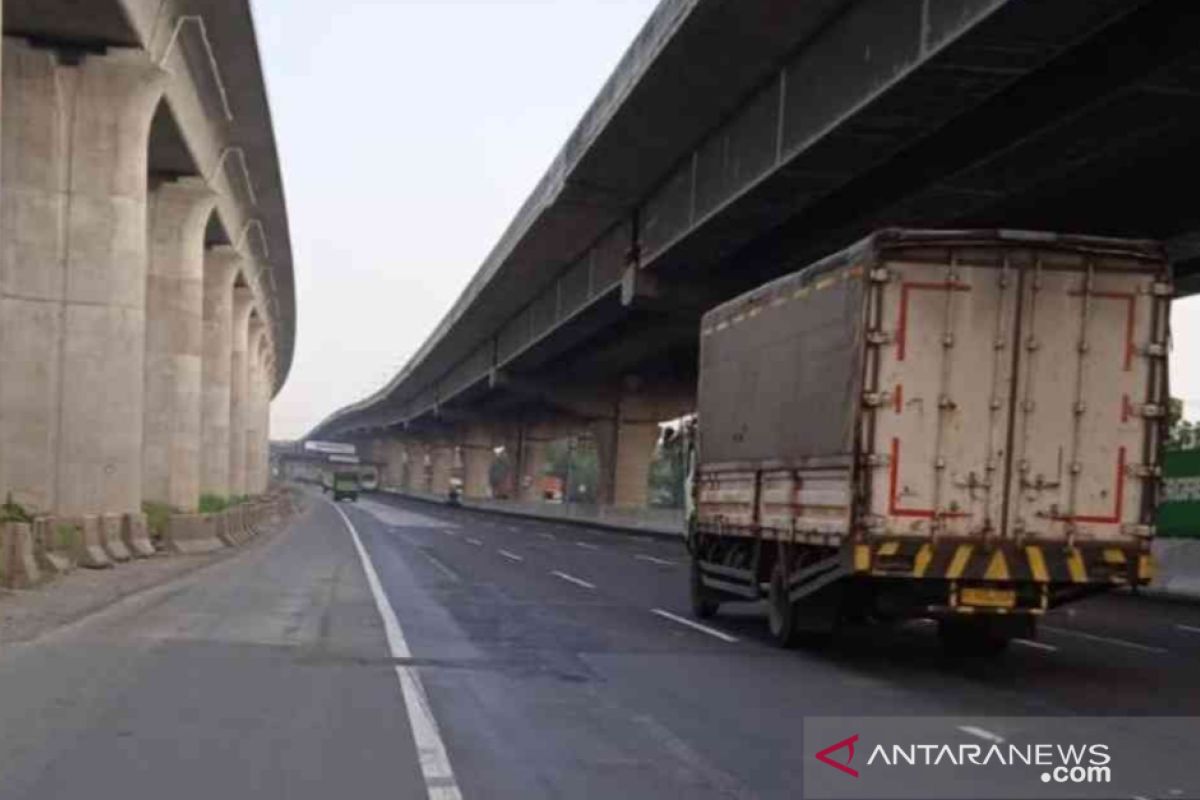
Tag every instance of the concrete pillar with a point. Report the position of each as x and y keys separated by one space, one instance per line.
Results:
x=477 y=453
x=243 y=304
x=441 y=454
x=179 y=212
x=532 y=461
x=221 y=264
x=262 y=411
x=624 y=450
x=251 y=419
x=73 y=277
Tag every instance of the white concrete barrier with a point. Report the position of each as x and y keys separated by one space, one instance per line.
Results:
x=110 y=538
x=1177 y=567
x=135 y=532
x=192 y=534
x=657 y=521
x=18 y=567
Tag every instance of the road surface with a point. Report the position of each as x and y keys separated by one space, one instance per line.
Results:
x=525 y=659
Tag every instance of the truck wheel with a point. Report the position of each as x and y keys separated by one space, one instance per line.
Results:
x=781 y=612
x=704 y=605
x=972 y=637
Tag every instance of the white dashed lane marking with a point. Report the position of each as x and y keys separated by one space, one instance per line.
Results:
x=573 y=579
x=724 y=637
x=510 y=556
x=1145 y=648
x=662 y=561
x=982 y=733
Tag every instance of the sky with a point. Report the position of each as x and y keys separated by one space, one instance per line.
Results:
x=409 y=134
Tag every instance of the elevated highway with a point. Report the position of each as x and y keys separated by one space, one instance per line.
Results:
x=737 y=141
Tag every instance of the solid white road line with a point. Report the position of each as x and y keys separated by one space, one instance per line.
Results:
x=663 y=561
x=1049 y=648
x=587 y=546
x=982 y=733
x=449 y=573
x=724 y=637
x=1188 y=628
x=475 y=542
x=440 y=783
x=1107 y=640
x=510 y=556
x=573 y=579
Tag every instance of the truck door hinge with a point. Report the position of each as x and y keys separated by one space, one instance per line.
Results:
x=876 y=399
x=1162 y=289
x=1144 y=470
x=880 y=275
x=876 y=460
x=1148 y=410
x=880 y=338
x=1153 y=350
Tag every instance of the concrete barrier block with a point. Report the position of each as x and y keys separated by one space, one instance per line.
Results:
x=89 y=549
x=54 y=545
x=1177 y=567
x=223 y=528
x=135 y=532
x=235 y=524
x=191 y=534
x=110 y=538
x=18 y=567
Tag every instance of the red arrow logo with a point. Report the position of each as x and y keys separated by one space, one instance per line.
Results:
x=823 y=756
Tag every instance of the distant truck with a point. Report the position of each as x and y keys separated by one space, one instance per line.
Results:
x=957 y=425
x=343 y=484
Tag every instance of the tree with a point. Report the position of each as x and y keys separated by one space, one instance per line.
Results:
x=1181 y=433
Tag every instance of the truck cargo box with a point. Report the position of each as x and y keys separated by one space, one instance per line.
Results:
x=934 y=398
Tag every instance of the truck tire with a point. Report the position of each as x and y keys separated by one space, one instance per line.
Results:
x=704 y=604
x=972 y=637
x=781 y=611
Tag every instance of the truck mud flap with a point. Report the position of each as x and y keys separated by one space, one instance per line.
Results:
x=816 y=576
x=729 y=580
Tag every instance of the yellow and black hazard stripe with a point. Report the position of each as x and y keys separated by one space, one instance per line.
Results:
x=1004 y=562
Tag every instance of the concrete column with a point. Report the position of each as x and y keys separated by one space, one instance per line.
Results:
x=477 y=454
x=243 y=304
x=179 y=212
x=442 y=462
x=532 y=461
x=624 y=450
x=262 y=410
x=221 y=264
x=72 y=280
x=251 y=419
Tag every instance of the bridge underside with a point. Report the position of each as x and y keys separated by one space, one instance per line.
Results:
x=1075 y=116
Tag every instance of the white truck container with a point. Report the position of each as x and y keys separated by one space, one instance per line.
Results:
x=963 y=425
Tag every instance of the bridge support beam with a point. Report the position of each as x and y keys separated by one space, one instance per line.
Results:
x=220 y=266
x=72 y=288
x=171 y=445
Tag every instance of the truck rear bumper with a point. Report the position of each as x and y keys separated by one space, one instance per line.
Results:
x=962 y=576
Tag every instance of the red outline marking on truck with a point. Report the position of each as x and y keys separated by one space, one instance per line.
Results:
x=894 y=508
x=1119 y=503
x=1130 y=318
x=898 y=400
x=902 y=322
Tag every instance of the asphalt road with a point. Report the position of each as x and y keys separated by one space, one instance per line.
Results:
x=525 y=660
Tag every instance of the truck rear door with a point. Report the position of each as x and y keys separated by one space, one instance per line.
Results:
x=1082 y=453
x=945 y=381
x=1015 y=418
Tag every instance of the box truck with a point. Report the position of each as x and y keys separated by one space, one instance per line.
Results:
x=956 y=425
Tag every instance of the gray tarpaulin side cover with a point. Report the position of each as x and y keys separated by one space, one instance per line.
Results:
x=780 y=367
